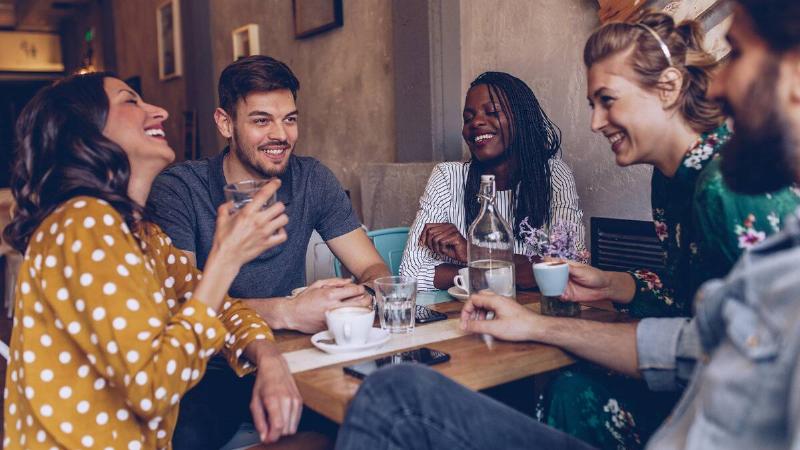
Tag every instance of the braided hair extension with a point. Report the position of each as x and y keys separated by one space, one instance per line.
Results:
x=534 y=140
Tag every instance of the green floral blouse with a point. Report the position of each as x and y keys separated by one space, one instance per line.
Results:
x=703 y=227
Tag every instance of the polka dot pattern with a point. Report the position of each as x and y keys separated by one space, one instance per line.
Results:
x=86 y=279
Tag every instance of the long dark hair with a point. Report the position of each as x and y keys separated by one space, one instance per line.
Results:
x=62 y=153
x=534 y=140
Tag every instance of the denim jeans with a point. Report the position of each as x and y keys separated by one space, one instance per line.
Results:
x=211 y=412
x=413 y=407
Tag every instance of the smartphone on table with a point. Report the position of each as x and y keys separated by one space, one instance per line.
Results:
x=422 y=355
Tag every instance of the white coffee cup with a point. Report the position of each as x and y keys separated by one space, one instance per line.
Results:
x=462 y=279
x=501 y=280
x=551 y=277
x=350 y=325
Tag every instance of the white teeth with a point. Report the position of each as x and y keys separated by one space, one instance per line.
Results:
x=614 y=138
x=273 y=152
x=483 y=137
x=155 y=132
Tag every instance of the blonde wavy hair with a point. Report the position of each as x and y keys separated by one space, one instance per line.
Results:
x=649 y=60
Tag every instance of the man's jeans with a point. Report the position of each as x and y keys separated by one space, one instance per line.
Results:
x=410 y=406
x=212 y=411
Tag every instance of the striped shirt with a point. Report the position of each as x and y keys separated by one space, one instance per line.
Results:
x=443 y=202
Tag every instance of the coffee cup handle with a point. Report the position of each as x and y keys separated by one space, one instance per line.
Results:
x=458 y=280
x=347 y=330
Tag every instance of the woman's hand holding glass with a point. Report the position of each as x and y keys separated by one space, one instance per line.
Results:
x=250 y=230
x=240 y=237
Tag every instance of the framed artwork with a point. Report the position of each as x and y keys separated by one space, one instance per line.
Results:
x=168 y=27
x=245 y=41
x=312 y=17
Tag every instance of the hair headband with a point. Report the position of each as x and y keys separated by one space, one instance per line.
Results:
x=661 y=43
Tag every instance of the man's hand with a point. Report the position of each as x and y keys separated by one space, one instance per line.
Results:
x=306 y=312
x=444 y=239
x=276 y=404
x=512 y=321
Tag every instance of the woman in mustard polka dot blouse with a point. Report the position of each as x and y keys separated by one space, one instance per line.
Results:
x=113 y=324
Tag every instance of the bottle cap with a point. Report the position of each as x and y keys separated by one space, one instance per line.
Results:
x=485 y=178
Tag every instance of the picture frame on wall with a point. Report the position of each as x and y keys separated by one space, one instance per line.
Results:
x=168 y=27
x=312 y=17
x=245 y=41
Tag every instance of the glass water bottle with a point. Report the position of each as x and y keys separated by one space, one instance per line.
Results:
x=490 y=246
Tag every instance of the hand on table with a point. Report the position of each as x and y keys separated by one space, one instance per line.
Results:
x=512 y=321
x=306 y=312
x=444 y=239
x=276 y=404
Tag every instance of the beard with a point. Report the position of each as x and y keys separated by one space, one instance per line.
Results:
x=760 y=157
x=248 y=156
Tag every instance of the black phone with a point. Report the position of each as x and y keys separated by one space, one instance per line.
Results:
x=424 y=314
x=422 y=355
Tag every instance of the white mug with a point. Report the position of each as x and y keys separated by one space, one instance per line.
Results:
x=350 y=325
x=462 y=279
x=501 y=281
x=551 y=277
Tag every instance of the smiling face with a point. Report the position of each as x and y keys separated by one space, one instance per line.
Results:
x=263 y=134
x=486 y=127
x=631 y=118
x=137 y=127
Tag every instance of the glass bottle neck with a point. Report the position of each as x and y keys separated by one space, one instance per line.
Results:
x=486 y=194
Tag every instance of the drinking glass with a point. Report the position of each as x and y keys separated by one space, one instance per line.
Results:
x=396 y=298
x=242 y=193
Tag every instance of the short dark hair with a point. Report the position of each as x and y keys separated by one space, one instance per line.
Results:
x=776 y=21
x=257 y=73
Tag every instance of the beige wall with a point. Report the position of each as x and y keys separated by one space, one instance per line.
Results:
x=541 y=42
x=137 y=55
x=346 y=98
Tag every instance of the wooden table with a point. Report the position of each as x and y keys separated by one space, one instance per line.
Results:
x=328 y=390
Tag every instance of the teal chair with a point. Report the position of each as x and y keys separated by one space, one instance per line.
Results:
x=390 y=243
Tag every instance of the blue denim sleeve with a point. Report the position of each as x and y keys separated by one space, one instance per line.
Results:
x=667 y=351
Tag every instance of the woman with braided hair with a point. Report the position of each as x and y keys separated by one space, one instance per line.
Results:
x=509 y=136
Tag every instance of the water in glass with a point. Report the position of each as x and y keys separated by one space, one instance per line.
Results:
x=396 y=298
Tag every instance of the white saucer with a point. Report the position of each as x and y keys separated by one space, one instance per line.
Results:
x=377 y=337
x=458 y=293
